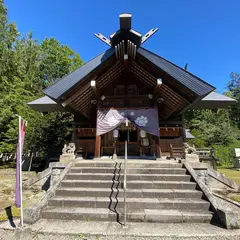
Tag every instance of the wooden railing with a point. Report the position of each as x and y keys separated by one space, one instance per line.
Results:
x=177 y=152
x=11 y=157
x=207 y=154
x=204 y=153
x=7 y=157
x=165 y=144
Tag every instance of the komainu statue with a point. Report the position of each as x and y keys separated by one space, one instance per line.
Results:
x=69 y=148
x=189 y=149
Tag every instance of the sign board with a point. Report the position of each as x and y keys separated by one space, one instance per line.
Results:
x=237 y=152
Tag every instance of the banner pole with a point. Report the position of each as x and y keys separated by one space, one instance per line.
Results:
x=20 y=171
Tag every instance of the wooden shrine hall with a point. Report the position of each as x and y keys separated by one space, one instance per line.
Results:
x=128 y=83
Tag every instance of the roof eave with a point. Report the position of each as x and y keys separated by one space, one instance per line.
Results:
x=185 y=78
x=214 y=101
x=61 y=87
x=46 y=104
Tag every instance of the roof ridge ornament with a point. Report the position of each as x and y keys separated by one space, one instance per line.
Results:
x=126 y=33
x=148 y=34
x=103 y=38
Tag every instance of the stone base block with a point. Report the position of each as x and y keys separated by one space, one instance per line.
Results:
x=230 y=219
x=237 y=163
x=33 y=213
x=67 y=157
x=193 y=157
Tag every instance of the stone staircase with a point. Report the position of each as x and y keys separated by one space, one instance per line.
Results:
x=156 y=192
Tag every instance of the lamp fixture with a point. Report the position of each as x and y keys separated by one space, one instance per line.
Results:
x=93 y=83
x=143 y=133
x=150 y=96
x=102 y=97
x=93 y=101
x=160 y=100
x=115 y=133
x=126 y=122
x=159 y=81
x=64 y=104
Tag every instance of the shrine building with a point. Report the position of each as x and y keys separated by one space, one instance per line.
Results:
x=129 y=85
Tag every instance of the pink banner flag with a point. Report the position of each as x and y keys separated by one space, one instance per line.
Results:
x=21 y=135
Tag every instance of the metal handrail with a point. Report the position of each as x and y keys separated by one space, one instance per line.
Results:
x=125 y=178
x=125 y=186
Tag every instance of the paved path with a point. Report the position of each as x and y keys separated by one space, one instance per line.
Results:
x=46 y=229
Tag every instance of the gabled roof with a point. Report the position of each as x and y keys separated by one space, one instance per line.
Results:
x=45 y=104
x=57 y=89
x=197 y=85
x=188 y=134
x=211 y=101
x=179 y=88
x=214 y=100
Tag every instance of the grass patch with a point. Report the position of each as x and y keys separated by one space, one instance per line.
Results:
x=7 y=191
x=231 y=173
x=235 y=198
x=15 y=213
x=5 y=165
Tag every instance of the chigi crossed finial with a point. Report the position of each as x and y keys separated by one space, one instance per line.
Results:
x=126 y=34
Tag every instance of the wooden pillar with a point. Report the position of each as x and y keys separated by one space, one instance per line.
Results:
x=183 y=132
x=158 y=147
x=74 y=134
x=97 y=146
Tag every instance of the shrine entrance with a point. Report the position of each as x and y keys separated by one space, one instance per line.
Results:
x=140 y=143
x=132 y=138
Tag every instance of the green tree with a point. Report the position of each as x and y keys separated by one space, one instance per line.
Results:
x=218 y=128
x=26 y=67
x=211 y=127
x=57 y=60
x=234 y=92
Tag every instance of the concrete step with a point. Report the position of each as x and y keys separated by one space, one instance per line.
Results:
x=135 y=164
x=129 y=170
x=132 y=203
x=130 y=184
x=49 y=229
x=117 y=177
x=143 y=215
x=131 y=193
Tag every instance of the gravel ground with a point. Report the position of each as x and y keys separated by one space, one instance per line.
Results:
x=7 y=192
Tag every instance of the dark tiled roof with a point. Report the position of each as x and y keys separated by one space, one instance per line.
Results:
x=188 y=134
x=214 y=96
x=197 y=85
x=63 y=85
x=45 y=104
x=214 y=101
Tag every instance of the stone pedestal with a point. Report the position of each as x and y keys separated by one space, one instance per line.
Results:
x=67 y=157
x=192 y=157
x=55 y=175
x=237 y=162
x=229 y=218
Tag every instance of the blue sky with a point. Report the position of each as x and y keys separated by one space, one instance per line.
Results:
x=203 y=33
